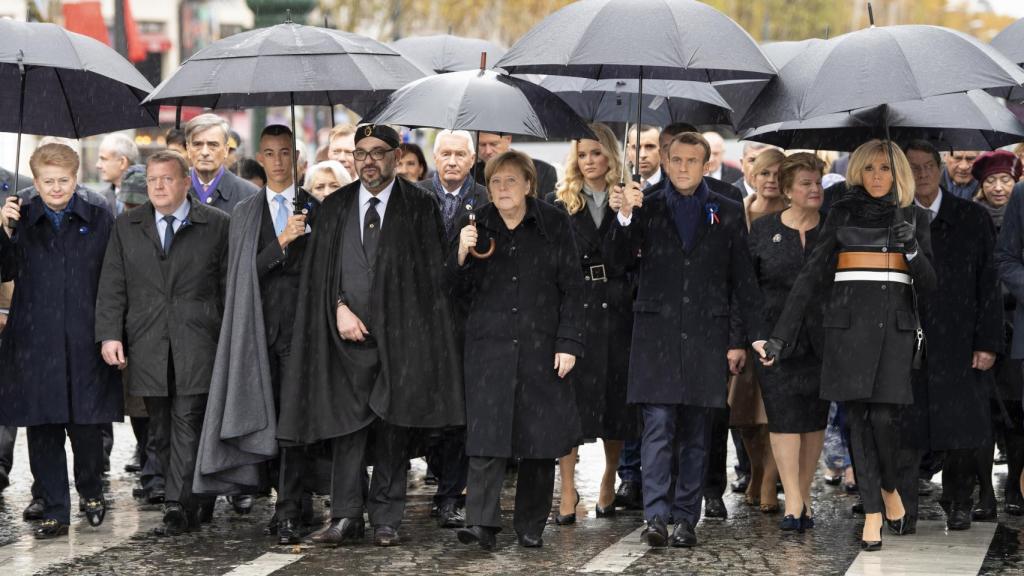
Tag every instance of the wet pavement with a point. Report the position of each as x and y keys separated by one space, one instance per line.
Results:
x=749 y=543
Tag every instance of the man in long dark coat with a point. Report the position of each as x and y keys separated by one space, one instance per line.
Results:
x=213 y=184
x=374 y=349
x=694 y=261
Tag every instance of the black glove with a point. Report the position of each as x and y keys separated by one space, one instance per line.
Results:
x=773 y=348
x=904 y=234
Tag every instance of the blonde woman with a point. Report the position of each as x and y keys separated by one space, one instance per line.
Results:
x=879 y=246
x=591 y=175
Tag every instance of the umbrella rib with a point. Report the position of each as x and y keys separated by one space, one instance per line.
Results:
x=67 y=104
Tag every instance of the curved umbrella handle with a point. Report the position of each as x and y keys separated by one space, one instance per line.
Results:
x=472 y=250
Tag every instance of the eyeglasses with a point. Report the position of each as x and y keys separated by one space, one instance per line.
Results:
x=152 y=180
x=376 y=153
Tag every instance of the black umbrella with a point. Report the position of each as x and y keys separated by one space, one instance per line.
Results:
x=642 y=40
x=445 y=53
x=972 y=120
x=285 y=65
x=1010 y=42
x=480 y=101
x=75 y=86
x=875 y=66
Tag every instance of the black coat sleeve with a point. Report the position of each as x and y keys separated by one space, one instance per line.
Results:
x=746 y=296
x=8 y=258
x=569 y=339
x=112 y=295
x=622 y=244
x=921 y=268
x=988 y=326
x=1009 y=256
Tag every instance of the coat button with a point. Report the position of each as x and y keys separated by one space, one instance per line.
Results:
x=515 y=341
x=515 y=278
x=604 y=305
x=683 y=336
x=515 y=310
x=686 y=299
x=686 y=262
x=586 y=278
x=586 y=256
x=885 y=249
x=585 y=305
x=881 y=324
x=883 y=286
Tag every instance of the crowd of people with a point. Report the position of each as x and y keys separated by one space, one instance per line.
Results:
x=490 y=316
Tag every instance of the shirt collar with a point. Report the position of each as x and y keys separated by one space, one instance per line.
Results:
x=443 y=191
x=934 y=208
x=383 y=195
x=654 y=179
x=180 y=214
x=288 y=193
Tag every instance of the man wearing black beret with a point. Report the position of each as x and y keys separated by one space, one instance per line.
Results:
x=374 y=352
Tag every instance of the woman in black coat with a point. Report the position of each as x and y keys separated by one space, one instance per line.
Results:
x=874 y=249
x=591 y=175
x=53 y=380
x=780 y=243
x=523 y=335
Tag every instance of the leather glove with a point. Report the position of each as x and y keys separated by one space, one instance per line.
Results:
x=773 y=348
x=904 y=234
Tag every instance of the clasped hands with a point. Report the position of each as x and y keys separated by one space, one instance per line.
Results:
x=624 y=200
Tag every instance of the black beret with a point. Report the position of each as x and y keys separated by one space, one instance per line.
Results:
x=380 y=131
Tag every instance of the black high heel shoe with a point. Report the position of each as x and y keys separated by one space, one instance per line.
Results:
x=602 y=512
x=872 y=546
x=568 y=518
x=95 y=511
x=897 y=527
x=792 y=524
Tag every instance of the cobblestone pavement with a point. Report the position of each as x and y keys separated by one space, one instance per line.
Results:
x=748 y=543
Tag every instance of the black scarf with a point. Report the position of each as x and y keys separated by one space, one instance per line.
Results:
x=867 y=210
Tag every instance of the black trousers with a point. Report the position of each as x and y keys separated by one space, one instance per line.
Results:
x=715 y=477
x=874 y=445
x=384 y=498
x=447 y=459
x=535 y=482
x=175 y=423
x=296 y=469
x=8 y=434
x=49 y=465
x=959 y=475
x=908 y=462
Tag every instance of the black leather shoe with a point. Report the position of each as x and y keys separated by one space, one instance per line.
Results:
x=959 y=517
x=341 y=530
x=95 y=511
x=655 y=534
x=134 y=465
x=683 y=536
x=874 y=546
x=385 y=536
x=157 y=496
x=34 y=510
x=5 y=480
x=1014 y=509
x=897 y=527
x=449 y=516
x=484 y=536
x=528 y=541
x=206 y=510
x=741 y=483
x=50 y=528
x=288 y=533
x=602 y=512
x=175 y=521
x=629 y=496
x=568 y=518
x=242 y=503
x=984 y=512
x=715 y=508
x=791 y=524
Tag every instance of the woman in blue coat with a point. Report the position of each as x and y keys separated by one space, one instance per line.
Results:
x=54 y=381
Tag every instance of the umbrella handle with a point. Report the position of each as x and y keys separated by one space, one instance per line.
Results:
x=472 y=249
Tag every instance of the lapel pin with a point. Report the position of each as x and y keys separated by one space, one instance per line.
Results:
x=777 y=238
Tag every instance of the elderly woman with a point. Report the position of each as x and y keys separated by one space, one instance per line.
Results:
x=325 y=177
x=53 y=380
x=413 y=165
x=874 y=246
x=523 y=336
x=779 y=245
x=747 y=412
x=997 y=172
x=591 y=174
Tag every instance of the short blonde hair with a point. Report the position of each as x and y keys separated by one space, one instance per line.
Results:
x=515 y=159
x=569 y=192
x=901 y=173
x=769 y=157
x=59 y=155
x=795 y=163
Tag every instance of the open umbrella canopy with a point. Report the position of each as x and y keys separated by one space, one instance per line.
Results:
x=444 y=53
x=972 y=120
x=875 y=66
x=75 y=86
x=287 y=64
x=664 y=101
x=1010 y=42
x=666 y=39
x=480 y=100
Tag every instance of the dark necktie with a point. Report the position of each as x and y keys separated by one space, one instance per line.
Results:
x=371 y=231
x=168 y=233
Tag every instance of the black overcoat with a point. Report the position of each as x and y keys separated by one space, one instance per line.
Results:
x=601 y=378
x=159 y=305
x=51 y=371
x=324 y=392
x=870 y=327
x=682 y=326
x=524 y=308
x=951 y=408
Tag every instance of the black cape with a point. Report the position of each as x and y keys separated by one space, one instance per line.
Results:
x=326 y=391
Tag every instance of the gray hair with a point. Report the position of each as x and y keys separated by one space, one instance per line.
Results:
x=122 y=145
x=340 y=173
x=204 y=122
x=750 y=145
x=458 y=134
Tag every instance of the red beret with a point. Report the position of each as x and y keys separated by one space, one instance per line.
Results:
x=996 y=162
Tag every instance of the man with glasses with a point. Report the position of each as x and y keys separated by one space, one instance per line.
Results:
x=158 y=315
x=374 y=352
x=956 y=178
x=207 y=138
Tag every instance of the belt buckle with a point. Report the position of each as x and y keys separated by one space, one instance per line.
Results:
x=597 y=273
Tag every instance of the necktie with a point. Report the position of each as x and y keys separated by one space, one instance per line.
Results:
x=371 y=231
x=168 y=233
x=282 y=214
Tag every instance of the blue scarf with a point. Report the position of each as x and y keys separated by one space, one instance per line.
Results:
x=56 y=217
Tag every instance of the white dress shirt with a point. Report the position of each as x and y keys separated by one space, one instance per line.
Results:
x=180 y=215
x=934 y=208
x=364 y=204
x=289 y=194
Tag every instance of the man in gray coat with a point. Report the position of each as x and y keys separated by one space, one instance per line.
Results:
x=213 y=184
x=158 y=315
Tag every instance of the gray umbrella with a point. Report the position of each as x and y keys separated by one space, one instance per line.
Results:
x=446 y=53
x=1011 y=42
x=480 y=101
x=972 y=120
x=875 y=66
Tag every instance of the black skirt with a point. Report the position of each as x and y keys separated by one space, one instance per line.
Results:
x=790 y=391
